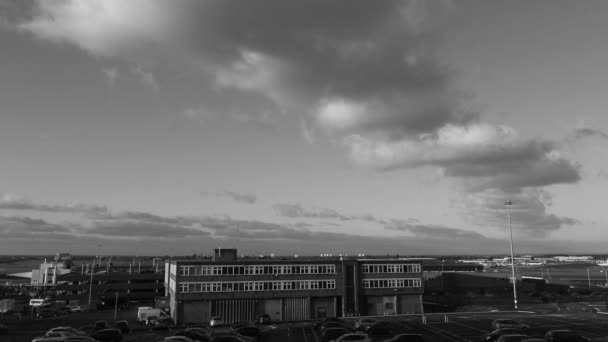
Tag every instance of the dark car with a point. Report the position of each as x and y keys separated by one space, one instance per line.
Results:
x=512 y=338
x=508 y=323
x=3 y=329
x=250 y=331
x=264 y=319
x=107 y=335
x=45 y=313
x=123 y=326
x=100 y=325
x=195 y=335
x=330 y=334
x=332 y=324
x=382 y=330
x=163 y=324
x=88 y=329
x=406 y=338
x=564 y=336
x=494 y=335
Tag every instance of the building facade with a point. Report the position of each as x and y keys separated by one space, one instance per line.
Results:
x=294 y=289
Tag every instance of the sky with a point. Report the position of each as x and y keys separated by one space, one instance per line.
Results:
x=303 y=127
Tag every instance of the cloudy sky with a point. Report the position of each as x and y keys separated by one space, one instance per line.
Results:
x=345 y=126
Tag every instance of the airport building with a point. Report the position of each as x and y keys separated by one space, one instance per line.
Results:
x=240 y=289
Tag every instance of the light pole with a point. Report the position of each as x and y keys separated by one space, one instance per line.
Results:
x=116 y=307
x=508 y=204
x=91 y=281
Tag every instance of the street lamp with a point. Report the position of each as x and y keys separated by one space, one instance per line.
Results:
x=91 y=281
x=508 y=204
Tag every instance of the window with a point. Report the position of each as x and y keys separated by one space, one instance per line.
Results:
x=391 y=283
x=390 y=268
x=184 y=270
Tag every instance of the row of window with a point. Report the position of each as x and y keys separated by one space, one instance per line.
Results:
x=390 y=268
x=231 y=286
x=391 y=283
x=255 y=269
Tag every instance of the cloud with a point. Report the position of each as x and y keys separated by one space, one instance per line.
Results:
x=585 y=132
x=147 y=78
x=15 y=203
x=110 y=75
x=366 y=73
x=529 y=211
x=21 y=226
x=297 y=211
x=432 y=231
x=238 y=197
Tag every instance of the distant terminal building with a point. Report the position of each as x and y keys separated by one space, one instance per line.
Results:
x=48 y=272
x=291 y=289
x=67 y=280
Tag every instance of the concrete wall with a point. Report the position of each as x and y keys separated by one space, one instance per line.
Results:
x=323 y=307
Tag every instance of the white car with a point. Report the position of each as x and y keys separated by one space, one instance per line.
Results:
x=75 y=308
x=54 y=337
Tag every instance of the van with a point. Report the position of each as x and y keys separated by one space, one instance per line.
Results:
x=37 y=302
x=144 y=312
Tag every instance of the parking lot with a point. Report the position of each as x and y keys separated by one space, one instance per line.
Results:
x=438 y=327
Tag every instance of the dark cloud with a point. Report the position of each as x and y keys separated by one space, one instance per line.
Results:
x=12 y=203
x=583 y=133
x=529 y=211
x=296 y=210
x=20 y=226
x=432 y=231
x=142 y=230
x=242 y=198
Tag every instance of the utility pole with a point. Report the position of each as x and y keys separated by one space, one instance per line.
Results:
x=508 y=204
x=116 y=307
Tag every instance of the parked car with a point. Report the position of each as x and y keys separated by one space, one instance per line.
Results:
x=494 y=335
x=330 y=334
x=359 y=337
x=80 y=339
x=53 y=337
x=67 y=329
x=101 y=325
x=195 y=335
x=178 y=339
x=107 y=335
x=215 y=321
x=46 y=313
x=509 y=323
x=123 y=326
x=227 y=338
x=165 y=323
x=75 y=308
x=363 y=323
x=380 y=330
x=226 y=334
x=3 y=329
x=512 y=338
x=87 y=329
x=264 y=319
x=333 y=324
x=406 y=338
x=564 y=335
x=250 y=331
